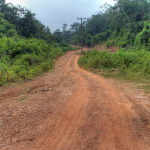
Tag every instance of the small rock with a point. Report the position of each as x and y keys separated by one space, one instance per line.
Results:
x=44 y=90
x=14 y=114
x=8 y=140
x=23 y=107
x=14 y=140
x=7 y=113
x=31 y=139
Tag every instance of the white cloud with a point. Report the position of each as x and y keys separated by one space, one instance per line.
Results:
x=54 y=13
x=17 y=2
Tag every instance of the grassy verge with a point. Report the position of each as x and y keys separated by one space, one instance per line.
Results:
x=130 y=66
x=142 y=82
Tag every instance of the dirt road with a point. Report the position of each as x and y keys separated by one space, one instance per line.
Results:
x=72 y=109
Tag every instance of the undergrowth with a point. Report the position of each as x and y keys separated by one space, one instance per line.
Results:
x=26 y=58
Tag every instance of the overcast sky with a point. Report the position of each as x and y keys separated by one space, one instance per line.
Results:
x=54 y=13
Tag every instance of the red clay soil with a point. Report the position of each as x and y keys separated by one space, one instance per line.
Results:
x=72 y=109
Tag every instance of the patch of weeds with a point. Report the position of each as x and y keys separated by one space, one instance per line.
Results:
x=146 y=88
x=23 y=98
x=28 y=90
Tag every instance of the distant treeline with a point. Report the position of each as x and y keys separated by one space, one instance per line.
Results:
x=125 y=24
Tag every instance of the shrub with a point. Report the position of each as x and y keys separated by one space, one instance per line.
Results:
x=25 y=58
x=124 y=62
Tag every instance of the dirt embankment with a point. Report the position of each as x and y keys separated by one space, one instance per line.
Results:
x=72 y=109
x=103 y=47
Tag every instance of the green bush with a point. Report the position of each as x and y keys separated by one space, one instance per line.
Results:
x=143 y=38
x=124 y=62
x=25 y=58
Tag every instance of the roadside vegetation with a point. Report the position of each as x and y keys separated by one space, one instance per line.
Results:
x=127 y=65
x=121 y=62
x=25 y=58
x=127 y=26
x=27 y=47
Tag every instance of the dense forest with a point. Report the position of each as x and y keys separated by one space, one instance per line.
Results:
x=124 y=24
x=27 y=47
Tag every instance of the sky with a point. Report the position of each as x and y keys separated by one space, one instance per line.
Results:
x=55 y=13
